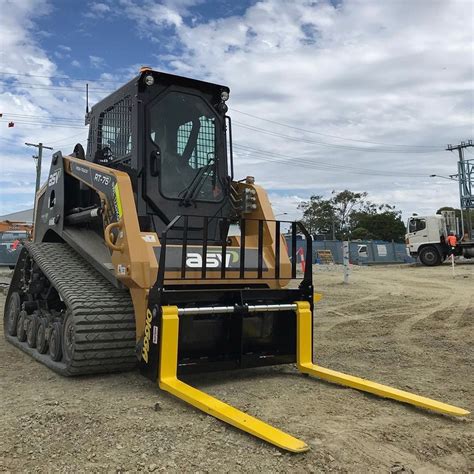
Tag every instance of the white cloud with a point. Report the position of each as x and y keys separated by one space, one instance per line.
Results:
x=100 y=7
x=33 y=99
x=156 y=13
x=15 y=29
x=388 y=72
x=75 y=63
x=96 y=62
x=97 y=10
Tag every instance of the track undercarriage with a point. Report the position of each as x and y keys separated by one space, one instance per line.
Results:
x=67 y=316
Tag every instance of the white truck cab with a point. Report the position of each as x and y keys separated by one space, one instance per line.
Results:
x=426 y=239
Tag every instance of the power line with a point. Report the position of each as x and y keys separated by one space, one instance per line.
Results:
x=305 y=163
x=59 y=76
x=28 y=85
x=43 y=119
x=76 y=88
x=43 y=124
x=56 y=142
x=332 y=136
x=330 y=145
x=43 y=116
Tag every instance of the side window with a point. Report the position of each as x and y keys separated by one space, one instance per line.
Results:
x=115 y=131
x=205 y=144
x=416 y=225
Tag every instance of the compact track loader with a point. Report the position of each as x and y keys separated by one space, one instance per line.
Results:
x=148 y=252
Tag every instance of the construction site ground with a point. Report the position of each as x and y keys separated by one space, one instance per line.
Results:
x=406 y=326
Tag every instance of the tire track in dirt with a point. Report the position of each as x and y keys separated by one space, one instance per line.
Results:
x=455 y=308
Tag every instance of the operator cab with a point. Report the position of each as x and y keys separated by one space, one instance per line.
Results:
x=169 y=134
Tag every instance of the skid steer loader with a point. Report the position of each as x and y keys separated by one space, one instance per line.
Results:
x=148 y=252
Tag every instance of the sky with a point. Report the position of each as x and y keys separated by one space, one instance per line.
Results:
x=325 y=95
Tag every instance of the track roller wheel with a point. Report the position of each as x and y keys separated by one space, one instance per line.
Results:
x=31 y=330
x=68 y=338
x=20 y=328
x=55 y=345
x=41 y=341
x=12 y=314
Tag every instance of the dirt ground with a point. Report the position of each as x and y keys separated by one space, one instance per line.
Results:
x=406 y=326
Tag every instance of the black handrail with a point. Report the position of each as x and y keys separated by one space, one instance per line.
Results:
x=256 y=261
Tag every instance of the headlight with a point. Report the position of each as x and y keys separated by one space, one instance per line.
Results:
x=224 y=96
x=149 y=80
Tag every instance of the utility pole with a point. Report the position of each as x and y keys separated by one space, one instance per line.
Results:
x=465 y=177
x=38 y=160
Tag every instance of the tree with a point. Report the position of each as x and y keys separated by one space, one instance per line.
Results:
x=385 y=224
x=318 y=215
x=349 y=214
x=344 y=203
x=331 y=216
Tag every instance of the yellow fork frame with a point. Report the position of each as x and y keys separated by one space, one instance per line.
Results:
x=168 y=381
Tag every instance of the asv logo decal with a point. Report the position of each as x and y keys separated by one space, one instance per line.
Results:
x=54 y=177
x=213 y=260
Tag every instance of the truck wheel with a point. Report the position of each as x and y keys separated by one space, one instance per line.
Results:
x=430 y=256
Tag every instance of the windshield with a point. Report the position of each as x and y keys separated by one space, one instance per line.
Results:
x=183 y=126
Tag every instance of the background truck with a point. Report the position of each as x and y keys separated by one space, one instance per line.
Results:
x=426 y=238
x=12 y=236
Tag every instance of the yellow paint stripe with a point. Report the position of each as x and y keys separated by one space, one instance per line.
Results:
x=119 y=200
x=210 y=405
x=305 y=365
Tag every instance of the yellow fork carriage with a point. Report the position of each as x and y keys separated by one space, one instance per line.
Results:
x=256 y=326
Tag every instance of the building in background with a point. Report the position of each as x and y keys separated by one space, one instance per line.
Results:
x=20 y=216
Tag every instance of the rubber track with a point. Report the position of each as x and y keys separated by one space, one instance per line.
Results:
x=103 y=315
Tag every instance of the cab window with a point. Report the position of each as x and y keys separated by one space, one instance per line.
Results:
x=416 y=225
x=183 y=126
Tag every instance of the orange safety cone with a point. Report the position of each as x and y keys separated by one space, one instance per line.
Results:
x=302 y=260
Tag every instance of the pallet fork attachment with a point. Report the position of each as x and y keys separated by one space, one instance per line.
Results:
x=168 y=381
x=208 y=404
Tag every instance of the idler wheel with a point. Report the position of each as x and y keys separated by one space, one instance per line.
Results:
x=12 y=314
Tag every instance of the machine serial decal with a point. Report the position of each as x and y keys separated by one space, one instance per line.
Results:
x=102 y=178
x=146 y=339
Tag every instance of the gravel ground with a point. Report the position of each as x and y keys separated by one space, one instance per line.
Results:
x=408 y=326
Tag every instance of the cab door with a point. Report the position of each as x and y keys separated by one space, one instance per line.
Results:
x=417 y=231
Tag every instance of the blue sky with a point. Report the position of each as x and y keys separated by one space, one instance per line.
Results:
x=325 y=95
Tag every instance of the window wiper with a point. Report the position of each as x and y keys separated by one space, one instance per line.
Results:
x=197 y=183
